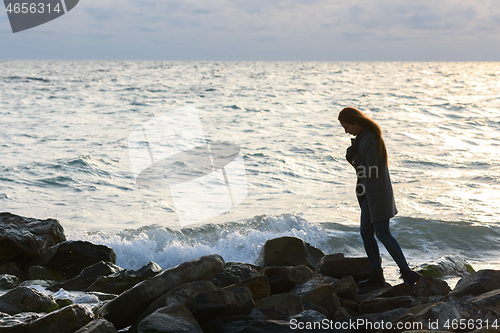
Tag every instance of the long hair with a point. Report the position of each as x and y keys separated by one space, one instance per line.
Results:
x=352 y=115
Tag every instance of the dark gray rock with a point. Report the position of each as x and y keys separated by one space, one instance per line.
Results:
x=288 y=251
x=282 y=279
x=431 y=286
x=25 y=299
x=491 y=300
x=11 y=268
x=345 y=288
x=99 y=325
x=280 y=306
x=478 y=283
x=8 y=281
x=71 y=257
x=123 y=280
x=258 y=285
x=234 y=273
x=18 y=323
x=237 y=324
x=369 y=322
x=307 y=316
x=384 y=304
x=66 y=320
x=44 y=273
x=220 y=303
x=174 y=318
x=337 y=266
x=27 y=238
x=315 y=291
x=87 y=276
x=124 y=310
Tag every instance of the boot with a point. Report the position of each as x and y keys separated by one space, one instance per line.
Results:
x=410 y=277
x=376 y=280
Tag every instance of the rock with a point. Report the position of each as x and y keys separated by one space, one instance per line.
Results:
x=22 y=238
x=370 y=322
x=340 y=314
x=126 y=308
x=384 y=304
x=401 y=289
x=220 y=303
x=288 y=251
x=44 y=273
x=349 y=304
x=65 y=320
x=102 y=296
x=345 y=288
x=233 y=274
x=431 y=286
x=249 y=326
x=175 y=318
x=11 y=268
x=24 y=299
x=337 y=266
x=118 y=282
x=71 y=257
x=476 y=284
x=451 y=265
x=88 y=276
x=434 y=316
x=307 y=316
x=280 y=306
x=8 y=281
x=99 y=325
x=282 y=279
x=315 y=291
x=258 y=285
x=17 y=323
x=491 y=300
x=473 y=311
x=310 y=306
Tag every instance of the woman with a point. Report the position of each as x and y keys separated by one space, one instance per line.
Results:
x=368 y=155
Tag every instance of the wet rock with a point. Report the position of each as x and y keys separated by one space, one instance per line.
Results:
x=431 y=286
x=288 y=251
x=25 y=299
x=370 y=322
x=175 y=318
x=491 y=300
x=280 y=306
x=234 y=273
x=219 y=303
x=66 y=320
x=349 y=304
x=337 y=266
x=44 y=273
x=478 y=283
x=451 y=265
x=258 y=285
x=401 y=289
x=345 y=288
x=88 y=276
x=282 y=279
x=122 y=280
x=340 y=314
x=315 y=291
x=99 y=325
x=384 y=304
x=71 y=257
x=17 y=323
x=27 y=238
x=11 y=268
x=434 y=316
x=248 y=326
x=307 y=316
x=8 y=281
x=126 y=308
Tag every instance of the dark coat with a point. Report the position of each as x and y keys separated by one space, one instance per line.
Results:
x=374 y=183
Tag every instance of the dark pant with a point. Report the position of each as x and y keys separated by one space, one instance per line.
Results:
x=381 y=229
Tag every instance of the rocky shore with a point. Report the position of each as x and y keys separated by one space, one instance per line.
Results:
x=292 y=287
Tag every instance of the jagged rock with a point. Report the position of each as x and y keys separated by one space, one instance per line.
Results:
x=307 y=316
x=337 y=266
x=315 y=291
x=491 y=300
x=345 y=288
x=340 y=314
x=478 y=283
x=450 y=265
x=473 y=311
x=233 y=274
x=280 y=306
x=282 y=279
x=118 y=282
x=44 y=273
x=99 y=325
x=258 y=285
x=17 y=323
x=8 y=281
x=25 y=299
x=401 y=289
x=219 y=303
x=11 y=268
x=310 y=306
x=23 y=238
x=66 y=320
x=288 y=251
x=126 y=308
x=87 y=276
x=433 y=316
x=384 y=304
x=431 y=286
x=349 y=304
x=174 y=318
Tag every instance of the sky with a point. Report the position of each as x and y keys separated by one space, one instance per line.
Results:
x=264 y=30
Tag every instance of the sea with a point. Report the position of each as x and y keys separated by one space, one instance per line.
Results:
x=66 y=154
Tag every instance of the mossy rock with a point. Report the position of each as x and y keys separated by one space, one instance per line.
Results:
x=451 y=265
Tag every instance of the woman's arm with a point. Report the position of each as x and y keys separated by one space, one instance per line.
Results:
x=366 y=160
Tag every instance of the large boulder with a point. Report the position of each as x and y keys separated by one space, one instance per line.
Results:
x=88 y=276
x=27 y=238
x=71 y=257
x=491 y=300
x=476 y=284
x=234 y=273
x=383 y=304
x=450 y=265
x=345 y=288
x=258 y=285
x=66 y=320
x=122 y=280
x=315 y=291
x=280 y=306
x=431 y=286
x=17 y=323
x=282 y=279
x=338 y=266
x=25 y=299
x=99 y=325
x=127 y=307
x=174 y=318
x=288 y=251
